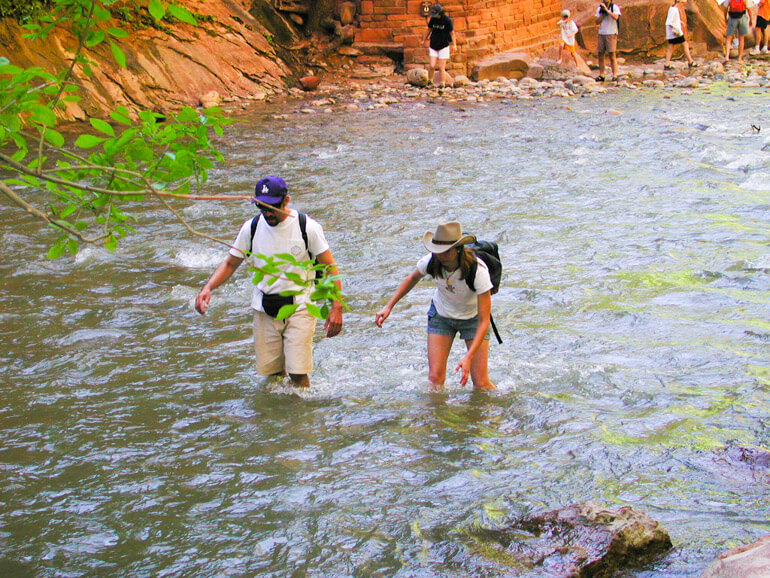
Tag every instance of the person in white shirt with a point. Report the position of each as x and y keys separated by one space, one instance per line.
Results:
x=568 y=32
x=607 y=40
x=676 y=33
x=283 y=346
x=455 y=307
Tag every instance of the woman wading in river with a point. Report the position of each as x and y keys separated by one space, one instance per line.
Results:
x=455 y=307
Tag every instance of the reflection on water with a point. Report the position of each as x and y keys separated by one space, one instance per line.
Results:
x=634 y=311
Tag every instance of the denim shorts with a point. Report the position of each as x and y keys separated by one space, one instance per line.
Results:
x=449 y=327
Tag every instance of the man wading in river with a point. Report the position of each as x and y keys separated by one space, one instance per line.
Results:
x=286 y=345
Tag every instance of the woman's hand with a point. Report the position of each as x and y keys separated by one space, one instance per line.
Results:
x=382 y=315
x=465 y=366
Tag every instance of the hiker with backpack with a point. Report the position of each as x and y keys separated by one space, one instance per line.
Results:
x=739 y=23
x=282 y=346
x=607 y=17
x=461 y=303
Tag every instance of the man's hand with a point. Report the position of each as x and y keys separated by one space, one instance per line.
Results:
x=202 y=301
x=381 y=316
x=333 y=323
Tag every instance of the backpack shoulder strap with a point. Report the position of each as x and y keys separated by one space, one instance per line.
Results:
x=254 y=223
x=471 y=278
x=302 y=218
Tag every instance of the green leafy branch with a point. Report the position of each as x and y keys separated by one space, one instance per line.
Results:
x=87 y=188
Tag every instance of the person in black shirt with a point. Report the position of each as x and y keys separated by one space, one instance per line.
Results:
x=441 y=35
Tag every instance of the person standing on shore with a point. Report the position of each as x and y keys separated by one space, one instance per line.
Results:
x=568 y=32
x=455 y=307
x=739 y=23
x=283 y=346
x=607 y=16
x=760 y=27
x=438 y=37
x=676 y=33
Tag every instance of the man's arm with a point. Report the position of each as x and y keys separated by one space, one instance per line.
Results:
x=333 y=323
x=219 y=276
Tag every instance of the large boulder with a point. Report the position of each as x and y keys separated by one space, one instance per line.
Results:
x=581 y=540
x=507 y=64
x=751 y=561
x=417 y=77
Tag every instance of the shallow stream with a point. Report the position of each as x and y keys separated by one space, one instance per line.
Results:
x=136 y=440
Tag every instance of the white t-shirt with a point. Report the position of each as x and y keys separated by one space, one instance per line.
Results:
x=453 y=298
x=673 y=23
x=285 y=237
x=608 y=24
x=568 y=31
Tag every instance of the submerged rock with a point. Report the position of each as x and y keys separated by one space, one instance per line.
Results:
x=581 y=540
x=751 y=561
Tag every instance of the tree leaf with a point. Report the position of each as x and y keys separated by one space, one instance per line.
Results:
x=286 y=311
x=120 y=114
x=43 y=115
x=87 y=141
x=54 y=137
x=118 y=54
x=182 y=14
x=156 y=9
x=102 y=126
x=95 y=37
x=117 y=33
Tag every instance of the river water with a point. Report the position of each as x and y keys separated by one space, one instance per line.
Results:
x=135 y=438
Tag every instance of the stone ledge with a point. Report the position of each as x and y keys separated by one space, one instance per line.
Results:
x=507 y=64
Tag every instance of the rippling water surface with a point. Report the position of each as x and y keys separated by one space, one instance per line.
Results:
x=135 y=438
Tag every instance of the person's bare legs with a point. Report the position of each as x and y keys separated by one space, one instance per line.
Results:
x=439 y=347
x=479 y=366
x=601 y=64
x=433 y=61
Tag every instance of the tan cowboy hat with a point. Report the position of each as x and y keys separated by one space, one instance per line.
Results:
x=447 y=235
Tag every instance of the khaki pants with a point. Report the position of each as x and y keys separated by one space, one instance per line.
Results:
x=284 y=345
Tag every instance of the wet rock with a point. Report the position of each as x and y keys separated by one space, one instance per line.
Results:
x=535 y=71
x=309 y=83
x=751 y=561
x=687 y=82
x=210 y=99
x=461 y=80
x=581 y=540
x=528 y=83
x=652 y=83
x=417 y=77
x=508 y=64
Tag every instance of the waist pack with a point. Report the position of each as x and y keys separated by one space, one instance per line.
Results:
x=272 y=303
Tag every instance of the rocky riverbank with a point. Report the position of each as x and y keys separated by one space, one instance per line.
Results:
x=347 y=91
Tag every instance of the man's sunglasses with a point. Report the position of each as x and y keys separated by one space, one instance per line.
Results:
x=268 y=207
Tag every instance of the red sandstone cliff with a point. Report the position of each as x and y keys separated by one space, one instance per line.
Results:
x=230 y=52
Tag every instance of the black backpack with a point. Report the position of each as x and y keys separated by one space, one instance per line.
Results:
x=302 y=218
x=488 y=252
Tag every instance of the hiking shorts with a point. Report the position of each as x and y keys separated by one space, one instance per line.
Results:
x=607 y=43
x=450 y=327
x=762 y=23
x=738 y=26
x=677 y=40
x=568 y=47
x=284 y=345
x=442 y=54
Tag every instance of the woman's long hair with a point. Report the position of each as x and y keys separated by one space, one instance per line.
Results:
x=467 y=259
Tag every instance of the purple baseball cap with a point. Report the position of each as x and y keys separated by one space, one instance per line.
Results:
x=270 y=190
